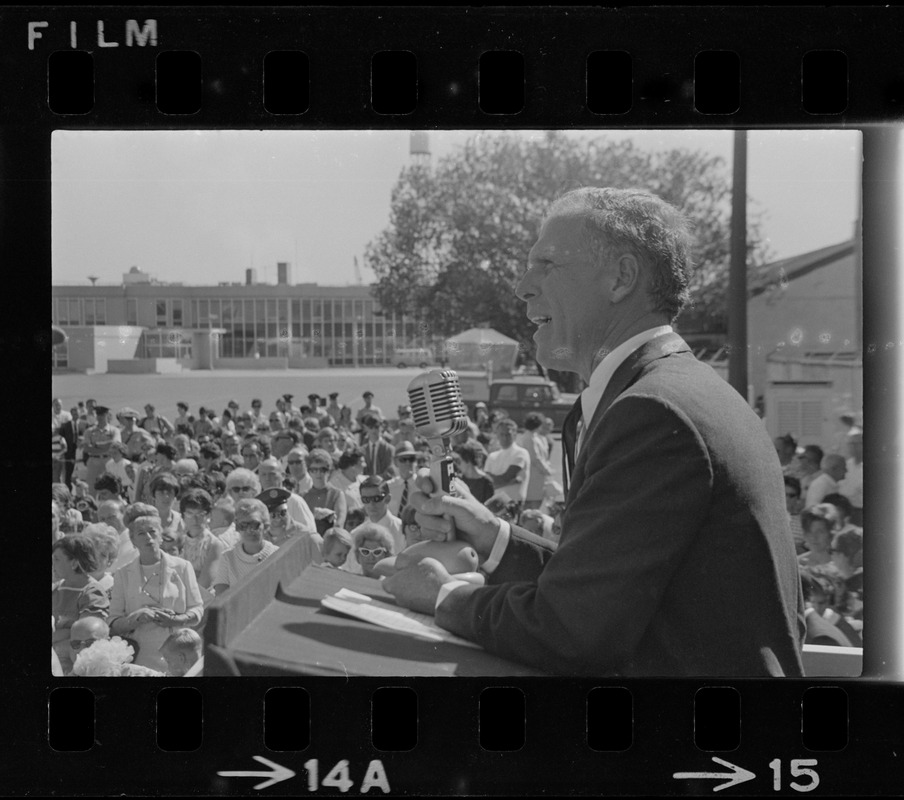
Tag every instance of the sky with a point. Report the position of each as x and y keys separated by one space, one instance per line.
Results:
x=202 y=206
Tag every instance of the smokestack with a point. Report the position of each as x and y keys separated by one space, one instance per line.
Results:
x=250 y=276
x=283 y=273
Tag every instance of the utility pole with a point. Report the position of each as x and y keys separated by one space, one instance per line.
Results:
x=737 y=275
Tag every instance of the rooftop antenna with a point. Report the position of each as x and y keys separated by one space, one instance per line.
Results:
x=94 y=279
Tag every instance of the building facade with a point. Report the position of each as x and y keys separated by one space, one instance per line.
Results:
x=324 y=325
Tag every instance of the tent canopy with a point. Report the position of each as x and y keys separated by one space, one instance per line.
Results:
x=477 y=347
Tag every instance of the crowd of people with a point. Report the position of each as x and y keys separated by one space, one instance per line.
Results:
x=824 y=498
x=153 y=518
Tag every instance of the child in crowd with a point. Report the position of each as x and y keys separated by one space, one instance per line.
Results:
x=337 y=544
x=181 y=650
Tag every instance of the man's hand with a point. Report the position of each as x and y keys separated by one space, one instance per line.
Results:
x=417 y=587
x=454 y=516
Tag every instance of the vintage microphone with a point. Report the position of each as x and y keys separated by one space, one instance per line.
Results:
x=439 y=413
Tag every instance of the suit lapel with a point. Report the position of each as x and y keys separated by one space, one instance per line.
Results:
x=628 y=372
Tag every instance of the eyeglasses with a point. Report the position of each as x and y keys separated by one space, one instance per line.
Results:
x=241 y=489
x=408 y=459
x=194 y=513
x=295 y=463
x=279 y=512
x=376 y=552
x=372 y=499
x=324 y=470
x=241 y=527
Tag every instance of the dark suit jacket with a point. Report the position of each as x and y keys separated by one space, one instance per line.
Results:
x=69 y=432
x=676 y=557
x=385 y=452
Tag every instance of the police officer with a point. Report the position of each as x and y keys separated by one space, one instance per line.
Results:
x=98 y=443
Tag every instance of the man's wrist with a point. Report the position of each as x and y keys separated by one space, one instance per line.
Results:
x=446 y=589
x=503 y=534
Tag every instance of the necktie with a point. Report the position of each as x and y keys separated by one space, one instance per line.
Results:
x=404 y=501
x=569 y=440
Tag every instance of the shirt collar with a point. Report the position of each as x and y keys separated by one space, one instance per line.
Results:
x=599 y=380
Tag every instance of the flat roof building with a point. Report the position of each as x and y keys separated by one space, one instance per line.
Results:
x=307 y=324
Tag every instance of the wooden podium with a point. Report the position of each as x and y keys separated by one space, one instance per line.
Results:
x=272 y=623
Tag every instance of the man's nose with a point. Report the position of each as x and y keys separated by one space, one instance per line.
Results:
x=525 y=289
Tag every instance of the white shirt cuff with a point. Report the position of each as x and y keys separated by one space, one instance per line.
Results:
x=502 y=540
x=446 y=589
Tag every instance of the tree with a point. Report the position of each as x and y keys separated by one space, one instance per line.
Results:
x=459 y=233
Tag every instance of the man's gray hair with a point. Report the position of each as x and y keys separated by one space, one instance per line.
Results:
x=635 y=220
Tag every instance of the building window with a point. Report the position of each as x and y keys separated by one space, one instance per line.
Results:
x=75 y=312
x=131 y=311
x=161 y=313
x=177 y=313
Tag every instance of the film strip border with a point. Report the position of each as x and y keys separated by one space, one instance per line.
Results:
x=436 y=738
x=371 y=67
x=401 y=68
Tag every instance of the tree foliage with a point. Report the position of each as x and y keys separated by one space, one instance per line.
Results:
x=459 y=232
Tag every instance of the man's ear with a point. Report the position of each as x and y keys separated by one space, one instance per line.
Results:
x=626 y=277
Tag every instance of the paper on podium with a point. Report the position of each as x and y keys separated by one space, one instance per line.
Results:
x=401 y=620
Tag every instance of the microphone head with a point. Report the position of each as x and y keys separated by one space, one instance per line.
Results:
x=437 y=405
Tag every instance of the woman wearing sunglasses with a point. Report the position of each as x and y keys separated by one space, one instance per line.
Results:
x=153 y=594
x=373 y=543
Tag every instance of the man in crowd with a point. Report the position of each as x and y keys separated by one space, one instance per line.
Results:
x=851 y=486
x=333 y=408
x=271 y=476
x=509 y=466
x=377 y=451
x=375 y=497
x=537 y=448
x=831 y=470
x=297 y=469
x=98 y=443
x=369 y=408
x=675 y=505
x=156 y=425
x=401 y=487
x=251 y=454
x=808 y=463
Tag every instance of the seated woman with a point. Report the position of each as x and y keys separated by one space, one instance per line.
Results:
x=372 y=544
x=200 y=547
x=819 y=524
x=322 y=494
x=252 y=521
x=153 y=594
x=76 y=594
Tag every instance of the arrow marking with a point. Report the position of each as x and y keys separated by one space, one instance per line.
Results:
x=736 y=776
x=276 y=773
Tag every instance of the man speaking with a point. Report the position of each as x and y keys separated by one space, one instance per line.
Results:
x=675 y=557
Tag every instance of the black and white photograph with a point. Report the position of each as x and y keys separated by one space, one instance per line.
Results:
x=457 y=403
